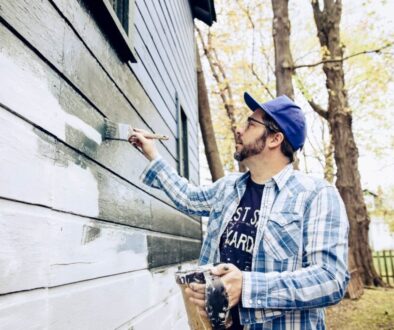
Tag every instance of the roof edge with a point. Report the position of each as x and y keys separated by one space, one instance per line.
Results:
x=204 y=10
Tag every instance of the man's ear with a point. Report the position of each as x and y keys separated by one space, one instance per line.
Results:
x=275 y=140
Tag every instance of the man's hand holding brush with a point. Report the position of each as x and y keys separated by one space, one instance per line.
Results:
x=146 y=145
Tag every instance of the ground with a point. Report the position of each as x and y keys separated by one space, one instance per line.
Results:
x=374 y=310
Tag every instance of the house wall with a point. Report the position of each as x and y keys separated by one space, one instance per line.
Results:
x=83 y=244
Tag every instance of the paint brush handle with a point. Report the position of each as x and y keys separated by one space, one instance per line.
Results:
x=155 y=136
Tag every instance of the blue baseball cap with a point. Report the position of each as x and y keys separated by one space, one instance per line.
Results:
x=286 y=114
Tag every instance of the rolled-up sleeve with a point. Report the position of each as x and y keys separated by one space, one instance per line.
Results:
x=188 y=198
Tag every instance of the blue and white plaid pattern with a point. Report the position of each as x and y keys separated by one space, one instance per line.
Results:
x=299 y=260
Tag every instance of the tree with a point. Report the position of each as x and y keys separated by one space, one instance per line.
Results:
x=238 y=45
x=339 y=116
x=283 y=59
x=205 y=120
x=224 y=86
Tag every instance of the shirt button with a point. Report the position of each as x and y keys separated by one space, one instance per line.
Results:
x=259 y=301
x=250 y=301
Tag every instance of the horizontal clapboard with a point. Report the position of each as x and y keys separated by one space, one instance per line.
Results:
x=83 y=71
x=43 y=98
x=45 y=248
x=51 y=174
x=105 y=303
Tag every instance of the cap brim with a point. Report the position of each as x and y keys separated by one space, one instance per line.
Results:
x=254 y=105
x=251 y=102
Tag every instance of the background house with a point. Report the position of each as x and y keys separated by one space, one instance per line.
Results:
x=83 y=244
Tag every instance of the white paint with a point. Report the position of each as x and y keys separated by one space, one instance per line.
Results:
x=169 y=314
x=29 y=171
x=105 y=303
x=75 y=189
x=124 y=131
x=40 y=247
x=23 y=171
x=81 y=126
x=24 y=88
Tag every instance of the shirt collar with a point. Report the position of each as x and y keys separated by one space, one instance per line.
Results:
x=279 y=179
x=284 y=175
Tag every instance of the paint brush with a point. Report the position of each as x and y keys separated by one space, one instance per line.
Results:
x=122 y=132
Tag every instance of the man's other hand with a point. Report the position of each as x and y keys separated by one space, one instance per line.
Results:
x=231 y=277
x=196 y=294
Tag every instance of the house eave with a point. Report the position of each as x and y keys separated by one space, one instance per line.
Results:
x=203 y=10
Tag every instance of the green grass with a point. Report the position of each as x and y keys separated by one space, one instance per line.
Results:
x=374 y=310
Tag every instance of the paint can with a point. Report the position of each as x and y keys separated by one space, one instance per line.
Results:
x=216 y=301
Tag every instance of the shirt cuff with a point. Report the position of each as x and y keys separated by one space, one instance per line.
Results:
x=254 y=290
x=149 y=174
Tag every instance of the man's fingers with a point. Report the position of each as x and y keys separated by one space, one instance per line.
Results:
x=197 y=287
x=137 y=136
x=194 y=294
x=200 y=303
x=140 y=131
x=221 y=269
x=202 y=312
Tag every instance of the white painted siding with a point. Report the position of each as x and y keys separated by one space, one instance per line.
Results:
x=83 y=244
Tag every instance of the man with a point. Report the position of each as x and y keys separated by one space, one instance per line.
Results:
x=282 y=235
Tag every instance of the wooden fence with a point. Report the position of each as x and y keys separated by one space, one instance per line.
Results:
x=384 y=264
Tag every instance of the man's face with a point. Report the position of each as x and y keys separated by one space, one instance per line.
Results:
x=252 y=138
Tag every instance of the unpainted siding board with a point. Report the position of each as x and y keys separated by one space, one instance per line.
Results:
x=34 y=91
x=78 y=65
x=89 y=31
x=162 y=88
x=73 y=183
x=171 y=21
x=163 y=251
x=174 y=47
x=147 y=19
x=182 y=28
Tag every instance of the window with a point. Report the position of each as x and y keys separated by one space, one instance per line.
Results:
x=183 y=145
x=115 y=21
x=121 y=8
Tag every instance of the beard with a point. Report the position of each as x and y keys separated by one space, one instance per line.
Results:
x=251 y=149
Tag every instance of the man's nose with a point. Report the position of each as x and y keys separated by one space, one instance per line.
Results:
x=239 y=131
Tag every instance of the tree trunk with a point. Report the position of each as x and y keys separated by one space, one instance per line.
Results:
x=205 y=120
x=281 y=31
x=225 y=90
x=283 y=59
x=346 y=153
x=329 y=160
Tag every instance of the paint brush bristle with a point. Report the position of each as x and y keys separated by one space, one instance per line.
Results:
x=122 y=132
x=116 y=131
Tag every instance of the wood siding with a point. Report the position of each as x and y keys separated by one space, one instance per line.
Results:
x=84 y=244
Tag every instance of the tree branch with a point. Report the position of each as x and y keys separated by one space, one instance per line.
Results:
x=261 y=82
x=247 y=13
x=378 y=50
x=318 y=109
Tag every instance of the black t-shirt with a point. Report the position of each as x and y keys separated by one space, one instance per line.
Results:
x=238 y=239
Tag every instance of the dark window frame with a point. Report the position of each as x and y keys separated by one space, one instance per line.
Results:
x=118 y=30
x=182 y=141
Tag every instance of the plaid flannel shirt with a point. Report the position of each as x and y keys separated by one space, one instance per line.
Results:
x=299 y=263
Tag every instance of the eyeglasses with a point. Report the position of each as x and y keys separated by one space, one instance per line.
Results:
x=269 y=125
x=254 y=120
